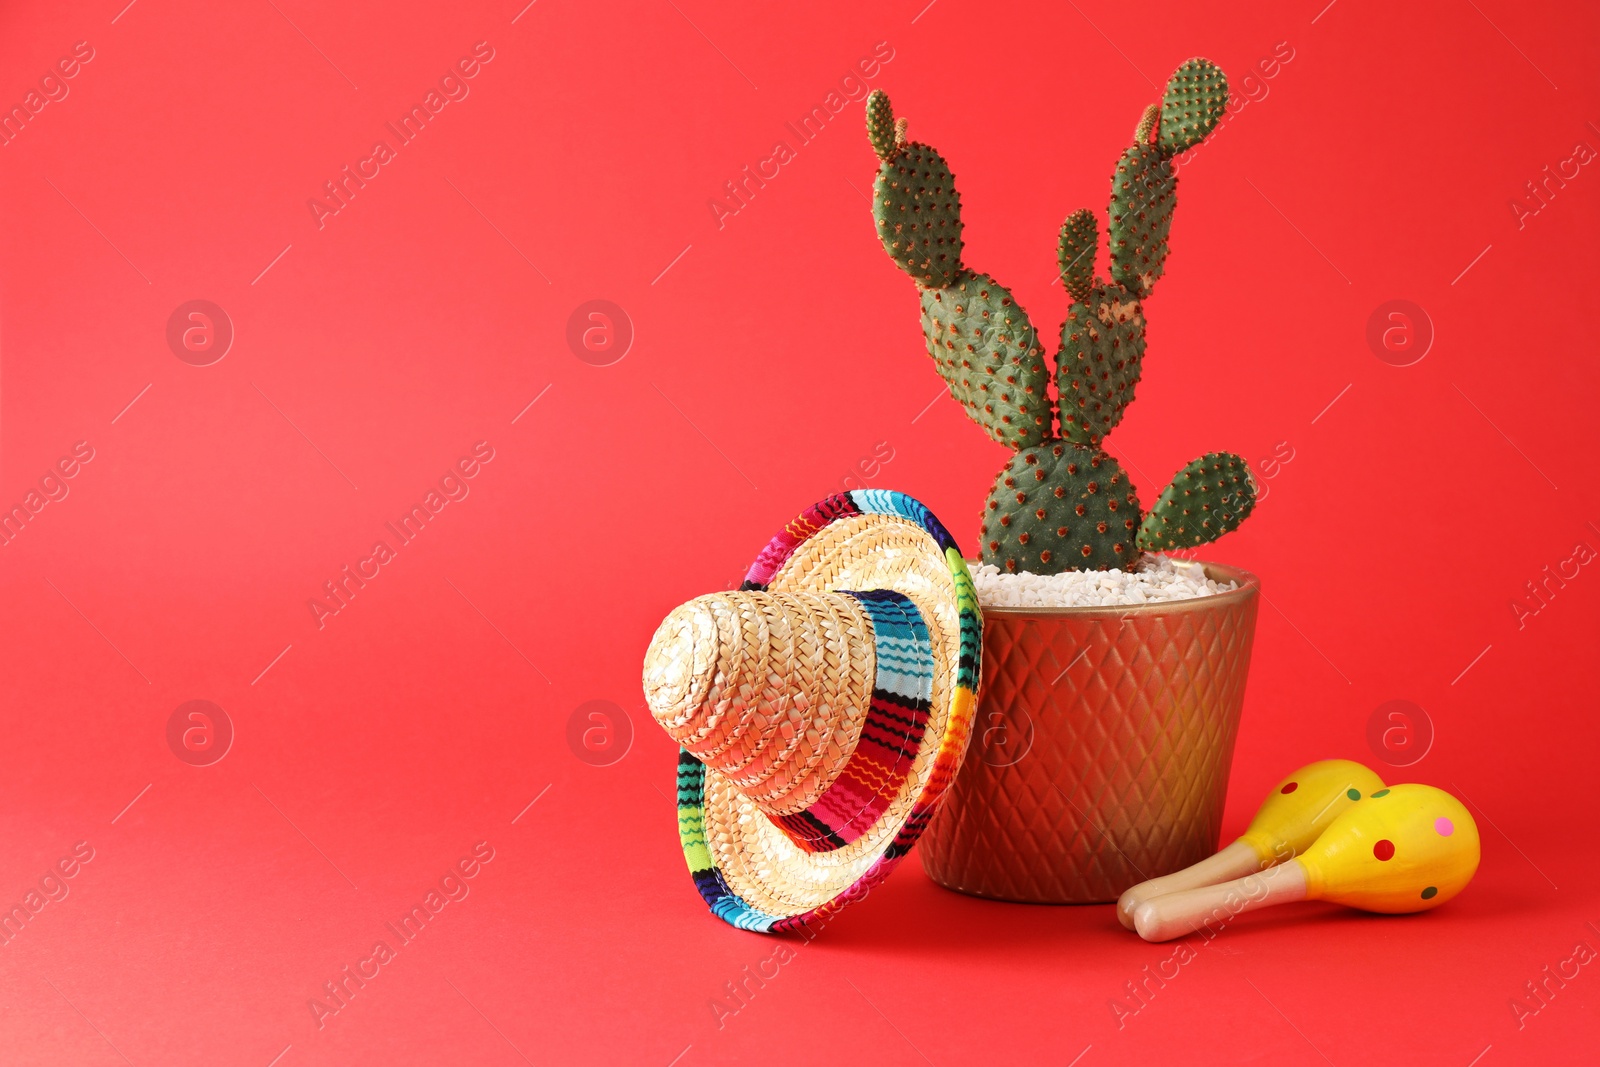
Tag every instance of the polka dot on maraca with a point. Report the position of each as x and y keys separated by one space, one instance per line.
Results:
x=1380 y=793
x=1444 y=826
x=1430 y=892
x=1353 y=794
x=1384 y=849
x=1290 y=788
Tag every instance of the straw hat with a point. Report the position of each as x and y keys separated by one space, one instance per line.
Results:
x=821 y=710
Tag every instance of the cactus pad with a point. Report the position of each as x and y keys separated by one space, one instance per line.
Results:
x=1147 y=124
x=880 y=125
x=1143 y=192
x=1196 y=96
x=1099 y=363
x=989 y=353
x=1057 y=507
x=918 y=213
x=1209 y=497
x=1075 y=251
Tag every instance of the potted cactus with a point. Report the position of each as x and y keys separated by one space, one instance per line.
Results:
x=1104 y=735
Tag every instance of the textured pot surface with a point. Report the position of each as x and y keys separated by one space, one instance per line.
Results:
x=1101 y=748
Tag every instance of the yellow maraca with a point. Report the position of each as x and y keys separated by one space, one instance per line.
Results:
x=1293 y=816
x=1404 y=849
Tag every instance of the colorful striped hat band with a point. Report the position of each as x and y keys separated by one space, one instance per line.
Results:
x=821 y=710
x=897 y=718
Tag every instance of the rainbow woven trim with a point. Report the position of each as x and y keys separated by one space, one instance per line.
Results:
x=897 y=719
x=887 y=737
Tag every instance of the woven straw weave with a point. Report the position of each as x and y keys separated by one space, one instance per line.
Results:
x=775 y=687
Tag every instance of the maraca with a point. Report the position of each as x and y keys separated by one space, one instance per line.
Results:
x=1299 y=808
x=1404 y=849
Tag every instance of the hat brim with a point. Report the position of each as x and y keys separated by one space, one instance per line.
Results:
x=748 y=870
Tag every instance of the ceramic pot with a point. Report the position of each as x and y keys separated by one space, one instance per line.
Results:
x=1100 y=749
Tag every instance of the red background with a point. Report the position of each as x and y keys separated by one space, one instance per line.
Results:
x=772 y=354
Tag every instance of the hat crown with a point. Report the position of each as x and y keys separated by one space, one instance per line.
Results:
x=771 y=689
x=676 y=668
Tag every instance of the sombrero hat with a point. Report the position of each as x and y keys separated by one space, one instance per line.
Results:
x=821 y=710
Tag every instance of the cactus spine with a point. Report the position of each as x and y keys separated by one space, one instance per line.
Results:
x=1061 y=502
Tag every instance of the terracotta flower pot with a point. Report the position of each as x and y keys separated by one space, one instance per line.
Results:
x=1101 y=747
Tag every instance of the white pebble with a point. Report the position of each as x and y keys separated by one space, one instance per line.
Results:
x=1157 y=580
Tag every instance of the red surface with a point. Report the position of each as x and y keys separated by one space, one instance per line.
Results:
x=772 y=356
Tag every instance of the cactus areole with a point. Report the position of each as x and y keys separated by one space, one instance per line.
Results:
x=1061 y=503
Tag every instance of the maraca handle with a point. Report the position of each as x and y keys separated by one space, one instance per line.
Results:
x=1166 y=917
x=1235 y=861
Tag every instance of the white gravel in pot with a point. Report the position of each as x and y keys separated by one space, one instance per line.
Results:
x=1159 y=579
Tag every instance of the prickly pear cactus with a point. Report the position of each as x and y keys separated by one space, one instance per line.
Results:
x=1196 y=96
x=1144 y=191
x=1062 y=502
x=1147 y=124
x=1210 y=497
x=1075 y=249
x=989 y=353
x=1057 y=506
x=1098 y=365
x=880 y=127
x=914 y=201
